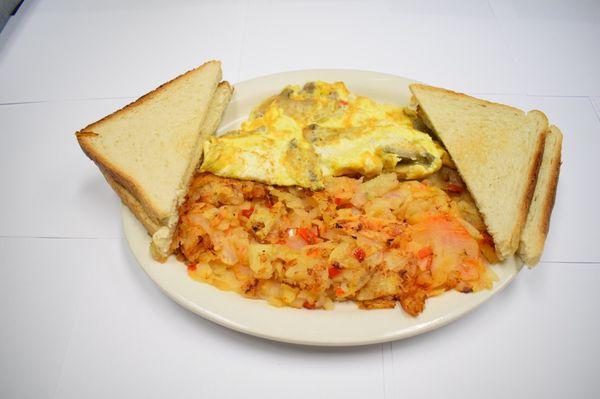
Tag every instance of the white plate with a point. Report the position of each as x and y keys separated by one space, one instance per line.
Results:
x=346 y=324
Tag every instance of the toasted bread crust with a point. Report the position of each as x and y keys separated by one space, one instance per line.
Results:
x=147 y=96
x=156 y=254
x=118 y=176
x=134 y=206
x=222 y=87
x=461 y=95
x=551 y=198
x=85 y=135
x=532 y=179
x=538 y=220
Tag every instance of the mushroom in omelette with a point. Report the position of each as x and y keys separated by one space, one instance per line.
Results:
x=305 y=134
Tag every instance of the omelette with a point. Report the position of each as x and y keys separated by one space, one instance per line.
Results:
x=305 y=134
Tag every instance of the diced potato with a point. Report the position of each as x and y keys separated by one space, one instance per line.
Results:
x=374 y=242
x=373 y=188
x=381 y=284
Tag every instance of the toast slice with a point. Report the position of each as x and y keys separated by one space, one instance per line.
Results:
x=151 y=147
x=534 y=233
x=497 y=150
x=213 y=119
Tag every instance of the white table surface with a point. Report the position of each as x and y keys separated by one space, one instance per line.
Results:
x=79 y=318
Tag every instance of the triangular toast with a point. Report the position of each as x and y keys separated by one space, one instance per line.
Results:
x=150 y=148
x=497 y=150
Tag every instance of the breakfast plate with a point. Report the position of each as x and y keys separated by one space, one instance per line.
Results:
x=346 y=324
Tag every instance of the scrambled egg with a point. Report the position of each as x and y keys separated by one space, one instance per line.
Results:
x=269 y=149
x=305 y=134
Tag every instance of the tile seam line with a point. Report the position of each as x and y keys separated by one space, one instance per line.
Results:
x=585 y=262
x=558 y=95
x=529 y=95
x=595 y=107
x=391 y=350
x=64 y=100
x=500 y=23
x=243 y=38
x=57 y=238
x=389 y=371
x=383 y=371
x=489 y=3
x=67 y=352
